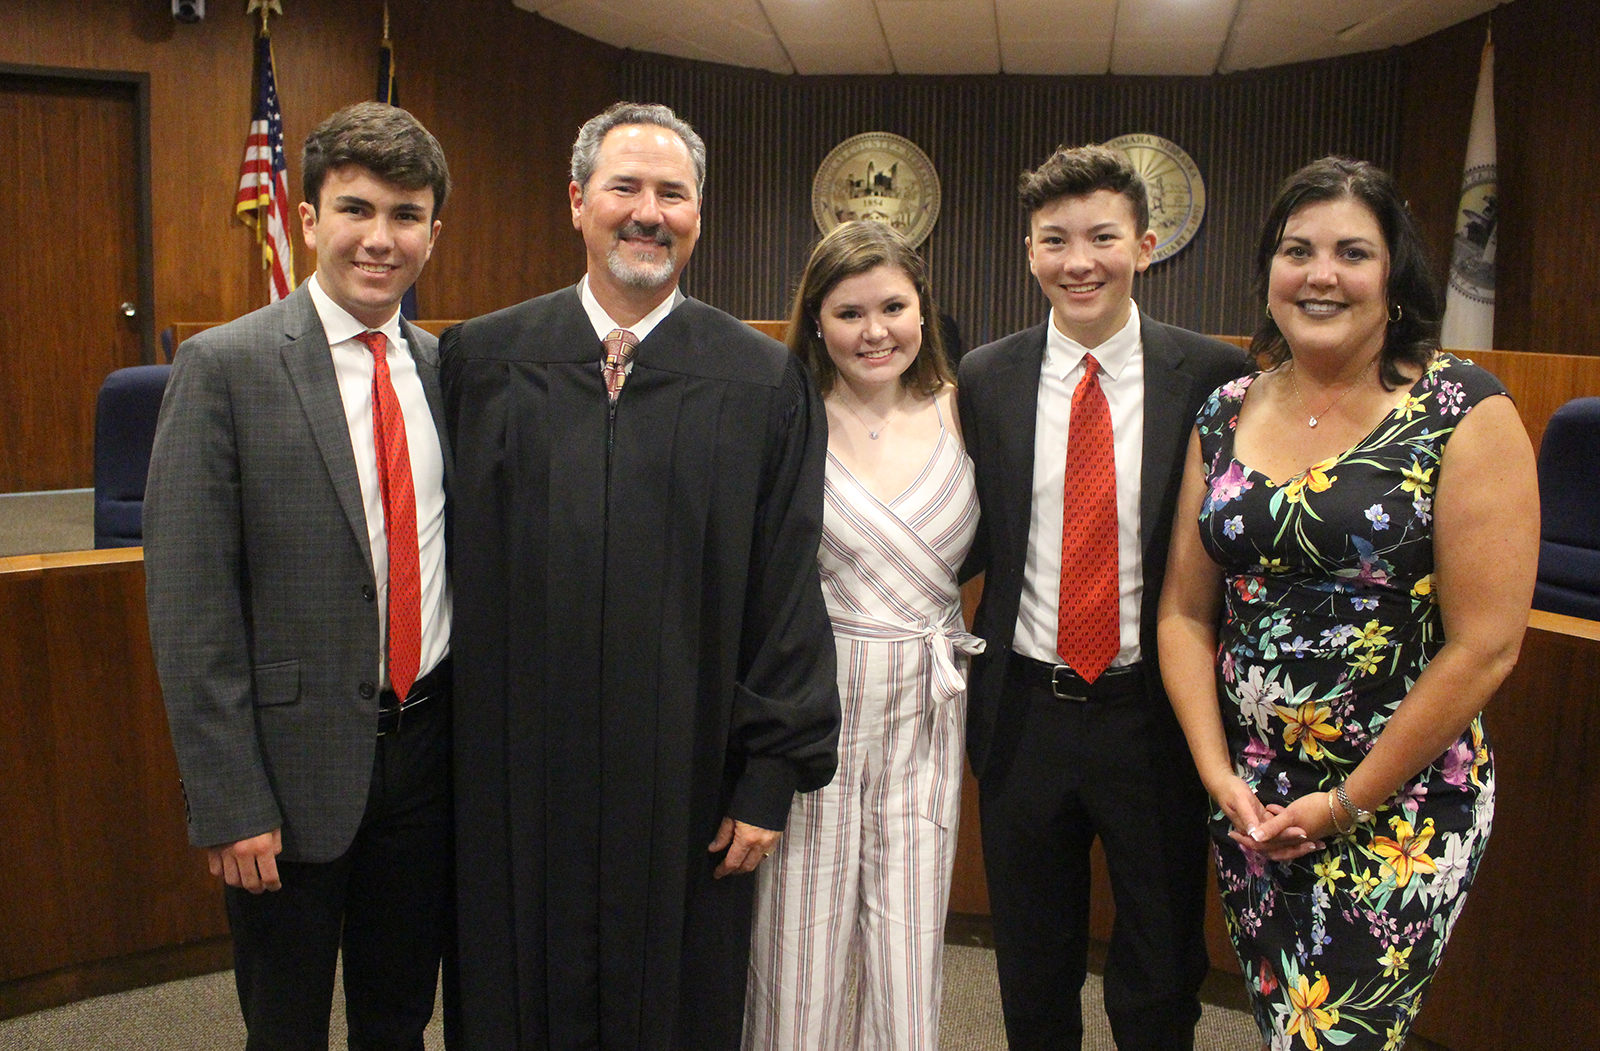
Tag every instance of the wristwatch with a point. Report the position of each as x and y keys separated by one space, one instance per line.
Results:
x=1361 y=817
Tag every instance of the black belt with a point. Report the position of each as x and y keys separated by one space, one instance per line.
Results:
x=434 y=686
x=1064 y=684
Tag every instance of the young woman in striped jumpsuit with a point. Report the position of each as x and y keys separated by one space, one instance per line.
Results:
x=849 y=921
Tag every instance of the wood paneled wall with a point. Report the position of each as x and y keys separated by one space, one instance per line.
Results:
x=766 y=135
x=1408 y=108
x=1547 y=109
x=503 y=90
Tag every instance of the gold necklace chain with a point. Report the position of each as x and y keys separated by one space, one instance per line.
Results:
x=1312 y=418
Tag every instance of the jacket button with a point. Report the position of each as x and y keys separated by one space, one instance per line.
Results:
x=368 y=690
x=369 y=592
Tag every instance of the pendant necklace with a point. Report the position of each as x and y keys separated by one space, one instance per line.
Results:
x=873 y=434
x=1313 y=418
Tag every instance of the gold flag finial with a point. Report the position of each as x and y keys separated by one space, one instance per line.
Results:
x=266 y=7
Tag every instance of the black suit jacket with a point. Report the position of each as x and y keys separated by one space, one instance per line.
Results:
x=999 y=397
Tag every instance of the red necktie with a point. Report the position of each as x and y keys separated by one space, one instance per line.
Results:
x=399 y=521
x=1089 y=631
x=619 y=345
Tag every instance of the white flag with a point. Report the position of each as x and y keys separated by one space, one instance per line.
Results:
x=1469 y=301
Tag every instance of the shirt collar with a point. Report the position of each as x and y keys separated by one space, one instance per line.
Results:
x=1062 y=353
x=603 y=322
x=338 y=324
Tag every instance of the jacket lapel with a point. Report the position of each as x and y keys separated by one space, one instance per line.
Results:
x=427 y=359
x=1166 y=392
x=1016 y=405
x=309 y=363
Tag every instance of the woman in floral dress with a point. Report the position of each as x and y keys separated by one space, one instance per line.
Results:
x=1355 y=592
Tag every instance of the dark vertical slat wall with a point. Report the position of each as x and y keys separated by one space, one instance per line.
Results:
x=767 y=134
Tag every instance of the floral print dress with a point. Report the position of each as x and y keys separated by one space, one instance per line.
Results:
x=1328 y=619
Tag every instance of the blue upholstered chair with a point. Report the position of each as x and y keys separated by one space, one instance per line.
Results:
x=1569 y=494
x=124 y=431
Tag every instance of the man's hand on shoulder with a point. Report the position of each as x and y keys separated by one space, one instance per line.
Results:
x=746 y=844
x=250 y=863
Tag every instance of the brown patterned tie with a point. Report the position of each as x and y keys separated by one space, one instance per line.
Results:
x=619 y=351
x=1088 y=631
x=399 y=521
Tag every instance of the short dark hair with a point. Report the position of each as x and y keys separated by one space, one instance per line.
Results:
x=1078 y=171
x=854 y=248
x=1413 y=338
x=386 y=140
x=586 y=148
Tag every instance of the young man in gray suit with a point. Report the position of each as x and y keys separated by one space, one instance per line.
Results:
x=300 y=609
x=1078 y=428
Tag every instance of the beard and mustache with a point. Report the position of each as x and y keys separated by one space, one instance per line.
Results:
x=641 y=274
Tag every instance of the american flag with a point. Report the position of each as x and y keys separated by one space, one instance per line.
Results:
x=264 y=180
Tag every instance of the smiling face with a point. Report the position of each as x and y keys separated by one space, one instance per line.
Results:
x=639 y=214
x=1328 y=285
x=872 y=326
x=1084 y=252
x=371 y=238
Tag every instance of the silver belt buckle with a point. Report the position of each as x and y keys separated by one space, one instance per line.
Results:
x=1058 y=690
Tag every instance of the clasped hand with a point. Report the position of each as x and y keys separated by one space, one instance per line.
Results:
x=1281 y=833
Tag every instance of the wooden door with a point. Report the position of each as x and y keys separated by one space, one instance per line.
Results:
x=69 y=209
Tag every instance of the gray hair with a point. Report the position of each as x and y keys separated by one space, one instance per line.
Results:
x=586 y=149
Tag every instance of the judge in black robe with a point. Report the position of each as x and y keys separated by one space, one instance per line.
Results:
x=641 y=650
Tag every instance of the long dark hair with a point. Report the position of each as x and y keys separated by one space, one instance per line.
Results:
x=854 y=248
x=1414 y=337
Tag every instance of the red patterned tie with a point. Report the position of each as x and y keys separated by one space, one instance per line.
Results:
x=399 y=521
x=619 y=351
x=1088 y=632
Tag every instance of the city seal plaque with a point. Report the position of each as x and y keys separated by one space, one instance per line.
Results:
x=1172 y=180
x=879 y=176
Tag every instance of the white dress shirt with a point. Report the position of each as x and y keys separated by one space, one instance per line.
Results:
x=1121 y=361
x=353 y=365
x=603 y=324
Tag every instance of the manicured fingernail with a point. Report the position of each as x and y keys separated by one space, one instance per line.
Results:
x=1255 y=833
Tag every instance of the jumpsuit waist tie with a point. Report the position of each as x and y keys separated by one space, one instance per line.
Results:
x=942 y=726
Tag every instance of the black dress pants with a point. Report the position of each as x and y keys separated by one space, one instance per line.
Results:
x=1116 y=768
x=388 y=902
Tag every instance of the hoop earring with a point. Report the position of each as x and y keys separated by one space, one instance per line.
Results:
x=1397 y=314
x=1269 y=315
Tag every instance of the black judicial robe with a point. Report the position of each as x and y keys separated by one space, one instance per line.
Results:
x=640 y=648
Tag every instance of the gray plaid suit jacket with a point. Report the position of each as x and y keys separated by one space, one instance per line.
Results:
x=259 y=582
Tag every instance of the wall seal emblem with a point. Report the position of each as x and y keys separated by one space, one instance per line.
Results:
x=877 y=175
x=1176 y=190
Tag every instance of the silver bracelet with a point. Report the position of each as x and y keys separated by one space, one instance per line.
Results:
x=1359 y=816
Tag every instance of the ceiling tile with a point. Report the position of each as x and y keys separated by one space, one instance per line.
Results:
x=1175 y=19
x=941 y=36
x=1055 y=57
x=1155 y=56
x=848 y=23
x=1053 y=20
x=946 y=56
x=825 y=58
x=596 y=19
x=1061 y=37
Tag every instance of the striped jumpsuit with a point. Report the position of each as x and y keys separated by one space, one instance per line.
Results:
x=853 y=900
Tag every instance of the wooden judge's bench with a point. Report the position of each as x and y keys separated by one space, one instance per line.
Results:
x=99 y=890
